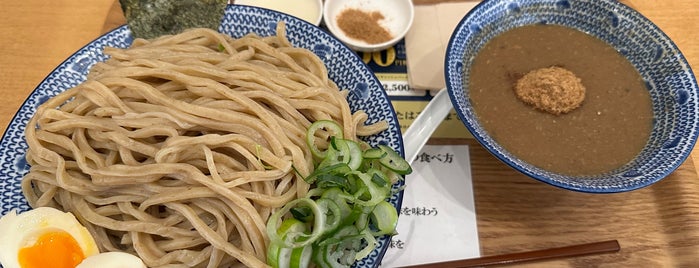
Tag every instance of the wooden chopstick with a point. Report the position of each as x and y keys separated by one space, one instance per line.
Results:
x=568 y=251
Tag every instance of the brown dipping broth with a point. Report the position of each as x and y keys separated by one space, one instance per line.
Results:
x=609 y=129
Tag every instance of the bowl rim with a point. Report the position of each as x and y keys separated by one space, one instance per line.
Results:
x=318 y=18
x=502 y=154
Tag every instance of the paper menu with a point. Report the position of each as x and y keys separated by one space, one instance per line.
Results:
x=437 y=220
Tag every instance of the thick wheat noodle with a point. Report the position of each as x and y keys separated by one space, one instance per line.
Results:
x=178 y=149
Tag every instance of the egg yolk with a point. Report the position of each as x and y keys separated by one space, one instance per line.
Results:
x=53 y=249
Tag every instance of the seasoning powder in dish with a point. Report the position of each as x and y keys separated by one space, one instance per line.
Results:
x=363 y=25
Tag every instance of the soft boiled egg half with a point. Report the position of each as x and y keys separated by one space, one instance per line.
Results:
x=44 y=237
x=47 y=237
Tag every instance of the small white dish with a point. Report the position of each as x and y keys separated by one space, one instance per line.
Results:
x=308 y=10
x=398 y=17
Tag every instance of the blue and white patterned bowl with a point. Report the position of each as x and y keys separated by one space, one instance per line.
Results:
x=673 y=87
x=345 y=68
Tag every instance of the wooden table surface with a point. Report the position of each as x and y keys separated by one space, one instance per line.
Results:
x=657 y=226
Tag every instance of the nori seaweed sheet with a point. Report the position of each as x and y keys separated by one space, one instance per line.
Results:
x=152 y=18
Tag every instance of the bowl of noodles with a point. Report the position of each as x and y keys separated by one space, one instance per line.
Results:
x=143 y=141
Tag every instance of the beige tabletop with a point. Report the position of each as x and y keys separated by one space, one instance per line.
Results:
x=657 y=226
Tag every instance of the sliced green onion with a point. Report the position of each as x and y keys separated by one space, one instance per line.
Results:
x=292 y=239
x=337 y=222
x=332 y=213
x=362 y=221
x=394 y=161
x=384 y=218
x=341 y=249
x=370 y=245
x=338 y=168
x=303 y=214
x=343 y=151
x=291 y=226
x=279 y=256
x=321 y=130
x=355 y=155
x=376 y=193
x=315 y=192
x=374 y=153
x=340 y=198
x=332 y=180
x=301 y=257
x=378 y=177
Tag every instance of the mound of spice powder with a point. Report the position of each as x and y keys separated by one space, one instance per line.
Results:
x=363 y=25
